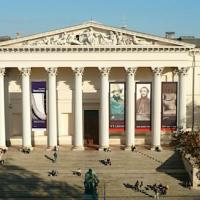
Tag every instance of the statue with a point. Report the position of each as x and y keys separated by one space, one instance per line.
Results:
x=120 y=39
x=110 y=39
x=91 y=182
x=140 y=41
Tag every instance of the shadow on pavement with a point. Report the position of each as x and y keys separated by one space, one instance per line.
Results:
x=174 y=167
x=18 y=183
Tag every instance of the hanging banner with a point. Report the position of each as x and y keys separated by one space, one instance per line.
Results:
x=38 y=105
x=117 y=106
x=143 y=105
x=169 y=105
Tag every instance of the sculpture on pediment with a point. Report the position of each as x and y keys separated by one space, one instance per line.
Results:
x=120 y=39
x=108 y=39
x=140 y=41
x=91 y=37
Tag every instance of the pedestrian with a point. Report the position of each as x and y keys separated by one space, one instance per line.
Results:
x=189 y=185
x=157 y=193
x=141 y=185
x=108 y=161
x=137 y=185
x=55 y=155
x=53 y=173
x=133 y=148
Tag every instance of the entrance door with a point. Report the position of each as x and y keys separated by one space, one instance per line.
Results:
x=91 y=127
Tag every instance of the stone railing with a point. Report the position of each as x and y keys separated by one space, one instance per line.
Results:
x=192 y=170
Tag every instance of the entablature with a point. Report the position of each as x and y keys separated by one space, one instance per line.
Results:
x=96 y=49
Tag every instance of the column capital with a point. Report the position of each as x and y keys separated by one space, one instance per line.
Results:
x=2 y=71
x=131 y=70
x=183 y=71
x=51 y=71
x=157 y=70
x=175 y=72
x=25 y=71
x=78 y=70
x=104 y=70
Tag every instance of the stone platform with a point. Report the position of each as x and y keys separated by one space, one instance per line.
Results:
x=25 y=176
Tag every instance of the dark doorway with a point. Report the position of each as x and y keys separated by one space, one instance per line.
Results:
x=91 y=127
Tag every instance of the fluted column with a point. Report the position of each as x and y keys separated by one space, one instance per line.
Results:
x=182 y=97
x=78 y=118
x=104 y=109
x=2 y=109
x=52 y=107
x=130 y=107
x=156 y=108
x=26 y=108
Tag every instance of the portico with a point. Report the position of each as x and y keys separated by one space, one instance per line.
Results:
x=64 y=62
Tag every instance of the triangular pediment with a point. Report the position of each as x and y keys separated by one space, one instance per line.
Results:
x=92 y=34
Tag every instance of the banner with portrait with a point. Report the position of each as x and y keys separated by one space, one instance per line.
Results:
x=38 y=105
x=117 y=106
x=169 y=105
x=143 y=105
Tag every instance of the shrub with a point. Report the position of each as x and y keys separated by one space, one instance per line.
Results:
x=188 y=143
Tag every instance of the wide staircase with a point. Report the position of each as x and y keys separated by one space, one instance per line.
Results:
x=25 y=176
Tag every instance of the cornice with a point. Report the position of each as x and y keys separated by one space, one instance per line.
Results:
x=95 y=49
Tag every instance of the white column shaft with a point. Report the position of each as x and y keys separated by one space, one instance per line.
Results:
x=130 y=107
x=2 y=109
x=104 y=112
x=26 y=108
x=78 y=137
x=156 y=111
x=182 y=99
x=52 y=109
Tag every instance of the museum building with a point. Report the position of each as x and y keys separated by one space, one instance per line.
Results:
x=97 y=85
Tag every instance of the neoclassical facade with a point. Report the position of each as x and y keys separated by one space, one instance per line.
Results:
x=78 y=66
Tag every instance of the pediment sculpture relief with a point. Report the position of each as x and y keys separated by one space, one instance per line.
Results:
x=90 y=37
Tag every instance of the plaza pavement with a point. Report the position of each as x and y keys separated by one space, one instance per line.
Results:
x=25 y=176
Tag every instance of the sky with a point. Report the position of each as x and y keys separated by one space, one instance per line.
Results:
x=149 y=16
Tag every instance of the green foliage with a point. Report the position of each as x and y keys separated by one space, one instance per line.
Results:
x=188 y=143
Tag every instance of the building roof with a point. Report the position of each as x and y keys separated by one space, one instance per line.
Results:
x=191 y=40
x=4 y=38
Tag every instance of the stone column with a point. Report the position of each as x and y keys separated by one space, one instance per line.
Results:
x=182 y=97
x=156 y=108
x=78 y=109
x=26 y=108
x=52 y=108
x=104 y=109
x=130 y=107
x=2 y=110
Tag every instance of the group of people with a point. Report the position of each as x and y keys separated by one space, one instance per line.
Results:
x=106 y=161
x=158 y=189
x=25 y=150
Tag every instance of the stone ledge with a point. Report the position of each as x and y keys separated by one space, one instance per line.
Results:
x=192 y=172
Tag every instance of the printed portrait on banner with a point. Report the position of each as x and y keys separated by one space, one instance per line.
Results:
x=143 y=105
x=38 y=105
x=117 y=105
x=169 y=104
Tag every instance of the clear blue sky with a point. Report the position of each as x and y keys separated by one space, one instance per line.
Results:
x=150 y=16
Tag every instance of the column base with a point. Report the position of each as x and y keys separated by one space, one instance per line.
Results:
x=78 y=148
x=27 y=147
x=4 y=147
x=156 y=148
x=130 y=148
